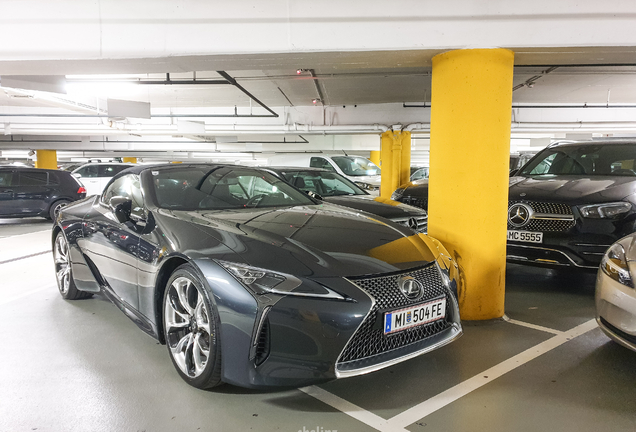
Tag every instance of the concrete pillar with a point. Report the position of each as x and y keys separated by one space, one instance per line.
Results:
x=395 y=153
x=375 y=157
x=46 y=159
x=469 y=160
x=130 y=159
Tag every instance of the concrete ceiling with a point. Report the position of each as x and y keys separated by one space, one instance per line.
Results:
x=378 y=83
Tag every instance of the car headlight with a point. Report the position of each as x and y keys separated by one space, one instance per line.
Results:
x=261 y=281
x=366 y=186
x=606 y=210
x=397 y=194
x=614 y=264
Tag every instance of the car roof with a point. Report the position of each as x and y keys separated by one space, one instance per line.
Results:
x=26 y=168
x=294 y=168
x=623 y=141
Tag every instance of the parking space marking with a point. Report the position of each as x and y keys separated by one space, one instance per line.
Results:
x=24 y=257
x=534 y=326
x=25 y=294
x=352 y=410
x=399 y=422
x=435 y=403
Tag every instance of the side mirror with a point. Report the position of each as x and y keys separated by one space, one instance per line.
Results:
x=314 y=195
x=121 y=208
x=76 y=175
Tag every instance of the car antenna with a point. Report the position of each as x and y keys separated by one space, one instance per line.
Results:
x=345 y=153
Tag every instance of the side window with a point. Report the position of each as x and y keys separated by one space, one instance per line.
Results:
x=318 y=162
x=33 y=178
x=54 y=179
x=121 y=187
x=88 y=171
x=110 y=170
x=7 y=178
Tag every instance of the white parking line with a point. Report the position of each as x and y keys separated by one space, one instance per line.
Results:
x=435 y=403
x=350 y=409
x=411 y=415
x=25 y=294
x=534 y=326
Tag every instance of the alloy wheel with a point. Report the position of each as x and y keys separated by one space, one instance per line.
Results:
x=187 y=325
x=62 y=265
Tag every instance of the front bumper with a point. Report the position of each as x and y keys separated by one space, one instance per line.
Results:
x=616 y=310
x=304 y=341
x=570 y=249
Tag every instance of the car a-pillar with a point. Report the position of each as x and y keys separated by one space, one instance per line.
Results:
x=395 y=154
x=46 y=159
x=471 y=102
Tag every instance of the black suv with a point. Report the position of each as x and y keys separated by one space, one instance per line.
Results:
x=567 y=205
x=27 y=192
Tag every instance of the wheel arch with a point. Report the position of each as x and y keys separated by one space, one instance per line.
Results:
x=56 y=230
x=164 y=274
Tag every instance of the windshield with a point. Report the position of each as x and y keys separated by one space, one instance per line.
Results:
x=356 y=166
x=210 y=188
x=587 y=159
x=323 y=183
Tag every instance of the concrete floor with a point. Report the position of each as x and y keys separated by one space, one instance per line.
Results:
x=83 y=366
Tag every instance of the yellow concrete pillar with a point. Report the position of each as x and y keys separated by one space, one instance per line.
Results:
x=130 y=159
x=46 y=159
x=395 y=153
x=375 y=157
x=176 y=162
x=469 y=160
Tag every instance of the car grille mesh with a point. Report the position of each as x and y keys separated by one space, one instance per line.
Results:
x=422 y=223
x=415 y=201
x=370 y=339
x=547 y=208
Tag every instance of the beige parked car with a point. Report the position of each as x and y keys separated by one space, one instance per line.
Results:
x=615 y=292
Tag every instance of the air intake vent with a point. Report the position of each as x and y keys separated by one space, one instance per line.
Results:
x=262 y=344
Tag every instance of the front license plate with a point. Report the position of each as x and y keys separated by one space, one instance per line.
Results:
x=525 y=236
x=414 y=316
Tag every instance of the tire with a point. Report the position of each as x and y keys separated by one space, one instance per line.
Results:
x=191 y=324
x=64 y=272
x=55 y=208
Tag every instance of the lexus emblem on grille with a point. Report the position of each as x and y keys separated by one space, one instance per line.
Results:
x=411 y=288
x=519 y=215
x=413 y=224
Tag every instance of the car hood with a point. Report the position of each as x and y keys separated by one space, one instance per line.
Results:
x=377 y=205
x=310 y=241
x=572 y=189
x=373 y=179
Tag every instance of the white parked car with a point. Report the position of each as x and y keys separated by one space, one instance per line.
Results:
x=359 y=170
x=616 y=292
x=96 y=175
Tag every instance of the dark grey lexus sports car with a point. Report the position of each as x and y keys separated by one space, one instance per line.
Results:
x=249 y=281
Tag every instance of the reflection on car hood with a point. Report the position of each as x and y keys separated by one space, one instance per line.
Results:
x=376 y=205
x=572 y=189
x=311 y=241
x=373 y=179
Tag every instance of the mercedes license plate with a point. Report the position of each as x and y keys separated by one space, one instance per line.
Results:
x=525 y=236
x=414 y=316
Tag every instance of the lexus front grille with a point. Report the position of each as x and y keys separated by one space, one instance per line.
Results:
x=369 y=339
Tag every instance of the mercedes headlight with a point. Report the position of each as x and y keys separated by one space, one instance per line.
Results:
x=614 y=264
x=366 y=186
x=261 y=281
x=606 y=210
x=397 y=194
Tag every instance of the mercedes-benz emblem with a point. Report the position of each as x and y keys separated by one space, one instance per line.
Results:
x=411 y=288
x=413 y=224
x=519 y=215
